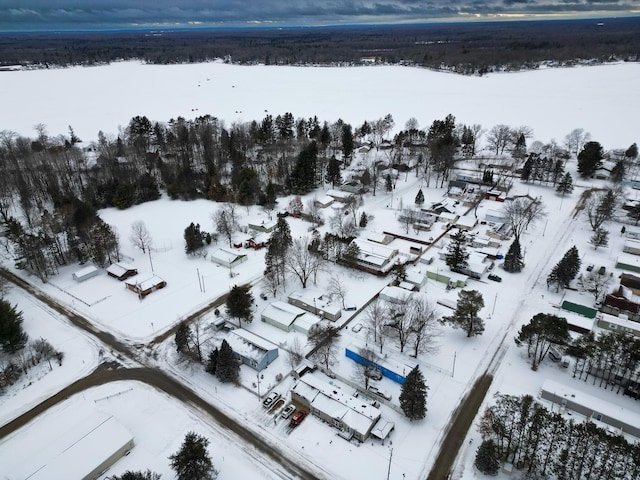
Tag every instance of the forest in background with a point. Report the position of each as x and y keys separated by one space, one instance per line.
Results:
x=467 y=48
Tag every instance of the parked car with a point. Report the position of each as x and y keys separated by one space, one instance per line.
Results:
x=288 y=411
x=270 y=400
x=263 y=296
x=351 y=308
x=381 y=393
x=373 y=373
x=357 y=327
x=589 y=268
x=602 y=270
x=494 y=277
x=297 y=418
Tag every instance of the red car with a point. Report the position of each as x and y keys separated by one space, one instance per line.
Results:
x=297 y=418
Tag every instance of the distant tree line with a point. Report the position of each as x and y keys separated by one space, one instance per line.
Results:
x=469 y=48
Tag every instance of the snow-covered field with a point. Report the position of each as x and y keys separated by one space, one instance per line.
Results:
x=602 y=100
x=578 y=98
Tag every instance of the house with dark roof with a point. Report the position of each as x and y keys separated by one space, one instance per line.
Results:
x=121 y=271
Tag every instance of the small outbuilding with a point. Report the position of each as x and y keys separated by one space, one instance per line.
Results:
x=85 y=273
x=121 y=271
x=227 y=258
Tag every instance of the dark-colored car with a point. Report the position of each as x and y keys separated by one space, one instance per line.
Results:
x=602 y=270
x=494 y=277
x=297 y=418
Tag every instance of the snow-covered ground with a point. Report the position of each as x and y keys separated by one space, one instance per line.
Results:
x=602 y=100
x=158 y=423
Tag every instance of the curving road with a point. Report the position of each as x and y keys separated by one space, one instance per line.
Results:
x=111 y=372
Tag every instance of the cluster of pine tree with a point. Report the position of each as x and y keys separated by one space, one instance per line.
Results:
x=543 y=444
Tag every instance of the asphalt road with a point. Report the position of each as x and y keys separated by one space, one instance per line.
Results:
x=111 y=372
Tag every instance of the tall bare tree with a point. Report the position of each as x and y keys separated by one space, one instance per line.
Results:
x=226 y=221
x=337 y=288
x=140 y=236
x=302 y=262
x=424 y=324
x=523 y=212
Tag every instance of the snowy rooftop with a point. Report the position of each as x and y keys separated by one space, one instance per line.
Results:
x=226 y=255
x=315 y=299
x=144 y=282
x=282 y=313
x=249 y=345
x=85 y=271
x=120 y=268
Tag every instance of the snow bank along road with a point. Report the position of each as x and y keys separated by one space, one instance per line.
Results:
x=110 y=372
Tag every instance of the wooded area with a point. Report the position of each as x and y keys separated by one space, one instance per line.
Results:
x=469 y=48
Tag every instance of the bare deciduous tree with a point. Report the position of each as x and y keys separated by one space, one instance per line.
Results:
x=140 y=236
x=336 y=288
x=302 y=262
x=295 y=352
x=523 y=212
x=226 y=221
x=424 y=323
x=376 y=316
x=596 y=283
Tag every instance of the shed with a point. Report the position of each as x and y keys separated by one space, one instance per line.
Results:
x=227 y=258
x=144 y=285
x=121 y=271
x=85 y=273
x=251 y=349
x=281 y=315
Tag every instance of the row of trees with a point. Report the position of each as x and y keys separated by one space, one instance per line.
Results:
x=543 y=444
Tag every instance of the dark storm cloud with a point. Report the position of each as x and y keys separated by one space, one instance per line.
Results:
x=50 y=14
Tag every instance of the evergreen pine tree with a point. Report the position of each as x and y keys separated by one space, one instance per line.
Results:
x=240 y=302
x=212 y=361
x=333 y=176
x=513 y=261
x=527 y=169
x=466 y=314
x=363 y=220
x=388 y=183
x=590 y=159
x=488 y=458
x=183 y=334
x=457 y=255
x=565 y=185
x=419 y=198
x=227 y=368
x=617 y=172
x=131 y=475
x=565 y=270
x=193 y=239
x=12 y=335
x=192 y=461
x=413 y=396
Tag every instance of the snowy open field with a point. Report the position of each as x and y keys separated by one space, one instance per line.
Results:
x=602 y=100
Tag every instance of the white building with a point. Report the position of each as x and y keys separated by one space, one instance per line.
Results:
x=85 y=273
x=227 y=258
x=317 y=303
x=281 y=315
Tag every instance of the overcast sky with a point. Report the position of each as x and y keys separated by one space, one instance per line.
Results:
x=17 y=15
